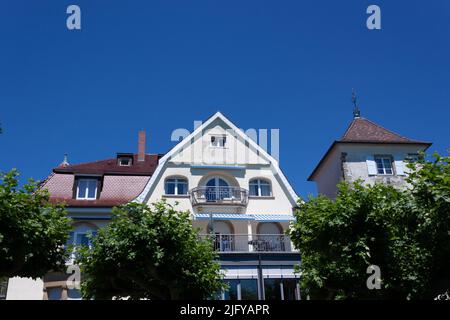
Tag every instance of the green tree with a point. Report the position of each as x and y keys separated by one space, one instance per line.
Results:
x=430 y=182
x=150 y=252
x=32 y=231
x=406 y=233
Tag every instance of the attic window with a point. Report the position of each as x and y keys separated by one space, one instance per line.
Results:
x=218 y=141
x=125 y=161
x=86 y=189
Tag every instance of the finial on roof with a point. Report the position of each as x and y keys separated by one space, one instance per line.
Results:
x=356 y=111
x=64 y=163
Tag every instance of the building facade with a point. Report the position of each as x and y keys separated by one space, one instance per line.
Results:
x=236 y=191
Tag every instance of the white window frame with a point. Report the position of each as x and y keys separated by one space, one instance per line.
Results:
x=88 y=231
x=258 y=183
x=176 y=181
x=217 y=139
x=130 y=161
x=382 y=158
x=86 y=197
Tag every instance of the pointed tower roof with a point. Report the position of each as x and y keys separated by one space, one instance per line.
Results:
x=364 y=130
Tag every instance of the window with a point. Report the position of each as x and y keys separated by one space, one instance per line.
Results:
x=87 y=189
x=272 y=289
x=249 y=289
x=290 y=289
x=73 y=294
x=384 y=165
x=218 y=141
x=54 y=293
x=260 y=188
x=217 y=189
x=243 y=289
x=232 y=292
x=125 y=162
x=176 y=186
x=80 y=236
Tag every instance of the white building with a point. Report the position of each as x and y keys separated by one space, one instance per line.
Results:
x=237 y=191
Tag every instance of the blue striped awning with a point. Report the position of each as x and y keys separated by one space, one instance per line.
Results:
x=273 y=217
x=223 y=216
x=239 y=216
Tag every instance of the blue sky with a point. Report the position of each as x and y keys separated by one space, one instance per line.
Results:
x=160 y=65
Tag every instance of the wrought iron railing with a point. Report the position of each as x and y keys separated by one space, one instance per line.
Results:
x=251 y=243
x=219 y=195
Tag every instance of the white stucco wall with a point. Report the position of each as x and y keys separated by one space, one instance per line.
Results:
x=25 y=289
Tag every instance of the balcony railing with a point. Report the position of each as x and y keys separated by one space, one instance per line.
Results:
x=219 y=195
x=251 y=243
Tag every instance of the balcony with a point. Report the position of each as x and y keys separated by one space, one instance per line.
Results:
x=234 y=196
x=231 y=243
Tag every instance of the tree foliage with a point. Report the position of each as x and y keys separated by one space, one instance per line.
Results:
x=32 y=231
x=149 y=252
x=404 y=232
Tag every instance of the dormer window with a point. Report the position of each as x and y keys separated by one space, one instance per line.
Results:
x=218 y=141
x=125 y=161
x=86 y=189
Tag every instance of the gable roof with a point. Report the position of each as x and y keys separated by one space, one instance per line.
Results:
x=111 y=166
x=362 y=130
x=199 y=129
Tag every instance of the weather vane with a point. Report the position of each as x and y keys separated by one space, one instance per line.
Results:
x=356 y=111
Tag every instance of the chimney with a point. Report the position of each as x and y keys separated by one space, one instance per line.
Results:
x=141 y=146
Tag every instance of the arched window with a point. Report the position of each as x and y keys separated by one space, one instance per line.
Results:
x=80 y=235
x=217 y=189
x=260 y=188
x=176 y=186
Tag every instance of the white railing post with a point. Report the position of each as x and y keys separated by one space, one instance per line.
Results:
x=249 y=236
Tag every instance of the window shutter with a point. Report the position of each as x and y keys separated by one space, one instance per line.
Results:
x=399 y=165
x=371 y=166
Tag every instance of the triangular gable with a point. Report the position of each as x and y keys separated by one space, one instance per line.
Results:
x=198 y=131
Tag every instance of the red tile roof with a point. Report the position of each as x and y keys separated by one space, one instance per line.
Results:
x=111 y=166
x=120 y=184
x=362 y=130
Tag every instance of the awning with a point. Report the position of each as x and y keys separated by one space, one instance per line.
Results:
x=239 y=216
x=223 y=216
x=273 y=217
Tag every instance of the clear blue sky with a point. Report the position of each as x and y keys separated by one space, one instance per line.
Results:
x=160 y=65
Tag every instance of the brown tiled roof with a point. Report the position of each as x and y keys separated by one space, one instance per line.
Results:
x=120 y=184
x=364 y=130
x=111 y=166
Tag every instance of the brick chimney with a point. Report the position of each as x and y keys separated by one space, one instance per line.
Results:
x=141 y=146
